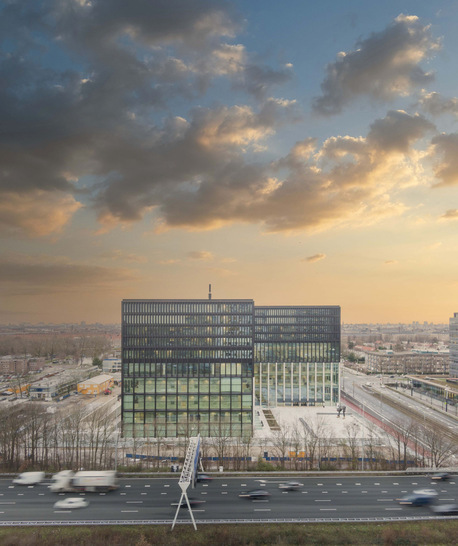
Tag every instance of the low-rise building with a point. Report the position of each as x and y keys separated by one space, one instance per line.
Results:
x=407 y=362
x=111 y=365
x=59 y=386
x=96 y=385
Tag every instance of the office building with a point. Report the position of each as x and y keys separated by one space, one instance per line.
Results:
x=453 y=332
x=193 y=366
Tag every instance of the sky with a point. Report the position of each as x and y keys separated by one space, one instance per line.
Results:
x=294 y=153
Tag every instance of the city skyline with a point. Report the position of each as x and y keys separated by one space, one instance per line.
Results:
x=290 y=153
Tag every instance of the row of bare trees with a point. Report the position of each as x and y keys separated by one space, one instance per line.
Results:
x=54 y=346
x=31 y=438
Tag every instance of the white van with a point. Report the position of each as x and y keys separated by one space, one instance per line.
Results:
x=29 y=478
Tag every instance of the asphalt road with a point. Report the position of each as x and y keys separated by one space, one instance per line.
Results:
x=150 y=499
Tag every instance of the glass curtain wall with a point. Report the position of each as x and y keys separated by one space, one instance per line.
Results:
x=296 y=356
x=187 y=367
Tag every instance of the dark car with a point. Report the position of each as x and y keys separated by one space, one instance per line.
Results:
x=257 y=494
x=445 y=509
x=203 y=478
x=441 y=476
x=420 y=498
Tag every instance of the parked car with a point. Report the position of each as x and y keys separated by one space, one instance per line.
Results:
x=290 y=486
x=256 y=494
x=29 y=478
x=445 y=509
x=72 y=503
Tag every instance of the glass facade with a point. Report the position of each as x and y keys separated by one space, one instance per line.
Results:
x=187 y=367
x=192 y=366
x=453 y=331
x=296 y=355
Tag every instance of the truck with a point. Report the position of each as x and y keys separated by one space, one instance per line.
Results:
x=95 y=481
x=29 y=478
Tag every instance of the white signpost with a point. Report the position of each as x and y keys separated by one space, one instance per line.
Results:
x=188 y=475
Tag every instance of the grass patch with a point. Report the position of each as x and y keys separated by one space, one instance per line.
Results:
x=437 y=532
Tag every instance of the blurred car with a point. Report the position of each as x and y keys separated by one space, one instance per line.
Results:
x=71 y=503
x=256 y=494
x=290 y=486
x=29 y=478
x=203 y=478
x=192 y=502
x=426 y=492
x=418 y=498
x=445 y=509
x=441 y=476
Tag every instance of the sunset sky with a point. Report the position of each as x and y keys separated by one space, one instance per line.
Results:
x=292 y=152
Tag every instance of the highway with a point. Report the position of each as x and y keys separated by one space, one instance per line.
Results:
x=149 y=500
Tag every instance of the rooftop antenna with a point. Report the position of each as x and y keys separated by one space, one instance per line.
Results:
x=209 y=291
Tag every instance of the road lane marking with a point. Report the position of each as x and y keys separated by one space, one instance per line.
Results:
x=243 y=485
x=338 y=484
x=393 y=508
x=126 y=511
x=123 y=493
x=376 y=483
x=363 y=491
x=385 y=500
x=143 y=493
x=262 y=509
x=384 y=491
x=224 y=484
x=344 y=491
x=11 y=502
x=414 y=483
x=395 y=483
x=223 y=492
x=323 y=492
x=147 y=485
x=166 y=485
x=446 y=499
x=134 y=502
x=204 y=493
x=163 y=493
x=62 y=511
x=127 y=486
x=327 y=509
x=322 y=500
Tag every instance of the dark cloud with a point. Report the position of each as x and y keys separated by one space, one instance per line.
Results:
x=451 y=214
x=398 y=130
x=21 y=275
x=383 y=66
x=436 y=104
x=445 y=152
x=314 y=258
x=83 y=86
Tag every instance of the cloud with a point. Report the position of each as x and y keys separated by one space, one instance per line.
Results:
x=169 y=262
x=45 y=274
x=346 y=181
x=444 y=149
x=35 y=213
x=314 y=258
x=123 y=256
x=203 y=255
x=383 y=66
x=451 y=214
x=94 y=119
x=390 y=262
x=436 y=105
